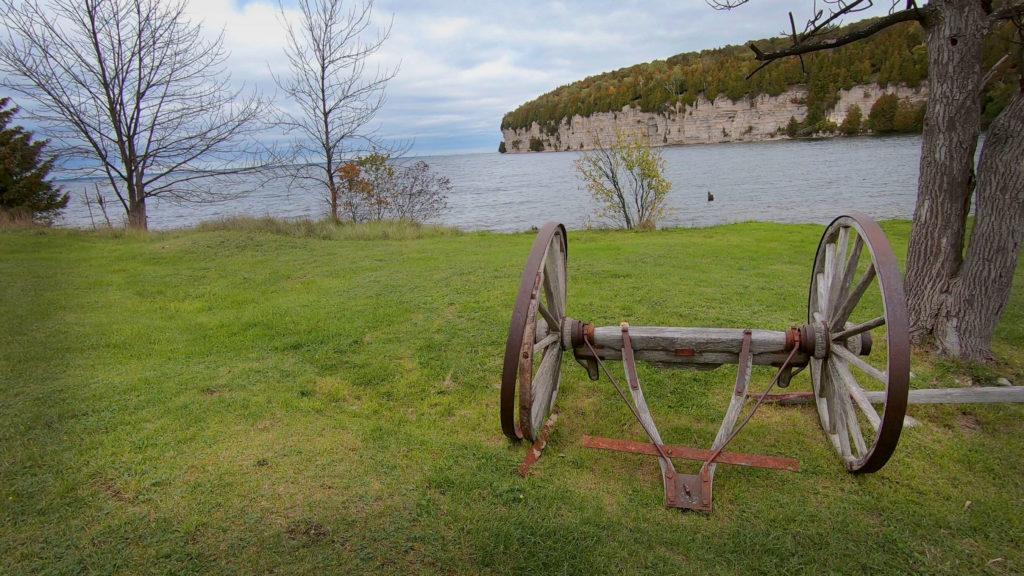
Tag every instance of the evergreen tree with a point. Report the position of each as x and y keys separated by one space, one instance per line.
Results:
x=882 y=118
x=24 y=188
x=851 y=124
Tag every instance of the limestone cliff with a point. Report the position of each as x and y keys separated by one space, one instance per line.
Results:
x=704 y=122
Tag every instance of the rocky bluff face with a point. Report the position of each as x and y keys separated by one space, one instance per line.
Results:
x=754 y=119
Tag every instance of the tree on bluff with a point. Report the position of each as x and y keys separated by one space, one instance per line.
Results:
x=24 y=188
x=852 y=122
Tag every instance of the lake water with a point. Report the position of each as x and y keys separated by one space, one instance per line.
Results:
x=783 y=181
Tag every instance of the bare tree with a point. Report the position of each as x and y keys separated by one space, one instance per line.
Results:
x=332 y=96
x=134 y=89
x=956 y=289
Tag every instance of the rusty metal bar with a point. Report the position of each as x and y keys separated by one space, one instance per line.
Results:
x=538 y=446
x=787 y=398
x=696 y=454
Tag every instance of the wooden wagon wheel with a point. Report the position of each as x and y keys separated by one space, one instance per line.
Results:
x=843 y=311
x=533 y=351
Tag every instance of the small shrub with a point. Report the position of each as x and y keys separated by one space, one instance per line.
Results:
x=882 y=118
x=536 y=144
x=826 y=127
x=909 y=118
x=852 y=123
x=793 y=127
x=627 y=181
x=378 y=188
x=891 y=115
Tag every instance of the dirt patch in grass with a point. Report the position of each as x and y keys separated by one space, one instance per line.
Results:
x=968 y=422
x=306 y=531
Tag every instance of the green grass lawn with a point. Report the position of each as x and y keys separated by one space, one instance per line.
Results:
x=248 y=402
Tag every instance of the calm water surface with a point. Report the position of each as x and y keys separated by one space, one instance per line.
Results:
x=785 y=181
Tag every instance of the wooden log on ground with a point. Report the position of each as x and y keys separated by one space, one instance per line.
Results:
x=972 y=395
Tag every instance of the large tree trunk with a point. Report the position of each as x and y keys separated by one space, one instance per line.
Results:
x=137 y=214
x=978 y=296
x=955 y=31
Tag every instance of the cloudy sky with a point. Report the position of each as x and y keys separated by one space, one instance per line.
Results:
x=464 y=63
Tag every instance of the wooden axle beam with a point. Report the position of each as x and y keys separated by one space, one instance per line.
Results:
x=694 y=347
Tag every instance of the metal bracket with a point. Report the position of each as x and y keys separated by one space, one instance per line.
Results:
x=695 y=490
x=538 y=446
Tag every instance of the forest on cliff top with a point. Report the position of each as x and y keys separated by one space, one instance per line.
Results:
x=895 y=56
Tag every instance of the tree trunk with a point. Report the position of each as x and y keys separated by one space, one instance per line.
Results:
x=955 y=32
x=137 y=214
x=978 y=296
x=332 y=190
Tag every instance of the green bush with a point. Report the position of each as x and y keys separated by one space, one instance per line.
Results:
x=536 y=144
x=852 y=123
x=890 y=115
x=882 y=118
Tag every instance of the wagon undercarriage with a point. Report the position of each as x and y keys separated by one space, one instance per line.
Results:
x=854 y=341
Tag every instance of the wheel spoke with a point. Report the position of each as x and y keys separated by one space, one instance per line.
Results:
x=849 y=417
x=820 y=402
x=541 y=331
x=552 y=323
x=829 y=392
x=838 y=266
x=855 y=391
x=553 y=285
x=836 y=414
x=859 y=328
x=827 y=276
x=852 y=299
x=850 y=270
x=544 y=383
x=545 y=342
x=860 y=364
x=822 y=295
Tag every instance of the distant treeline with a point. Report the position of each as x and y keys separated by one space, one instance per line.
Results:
x=894 y=56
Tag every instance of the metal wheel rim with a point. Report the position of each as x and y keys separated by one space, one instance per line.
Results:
x=890 y=285
x=523 y=314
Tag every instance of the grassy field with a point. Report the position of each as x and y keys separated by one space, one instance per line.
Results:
x=267 y=399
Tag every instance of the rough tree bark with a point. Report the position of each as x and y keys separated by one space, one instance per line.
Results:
x=976 y=297
x=955 y=302
x=955 y=31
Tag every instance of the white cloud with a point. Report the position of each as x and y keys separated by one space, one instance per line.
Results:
x=464 y=64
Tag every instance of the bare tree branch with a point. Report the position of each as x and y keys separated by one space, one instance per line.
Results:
x=137 y=92
x=803 y=46
x=1009 y=12
x=332 y=97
